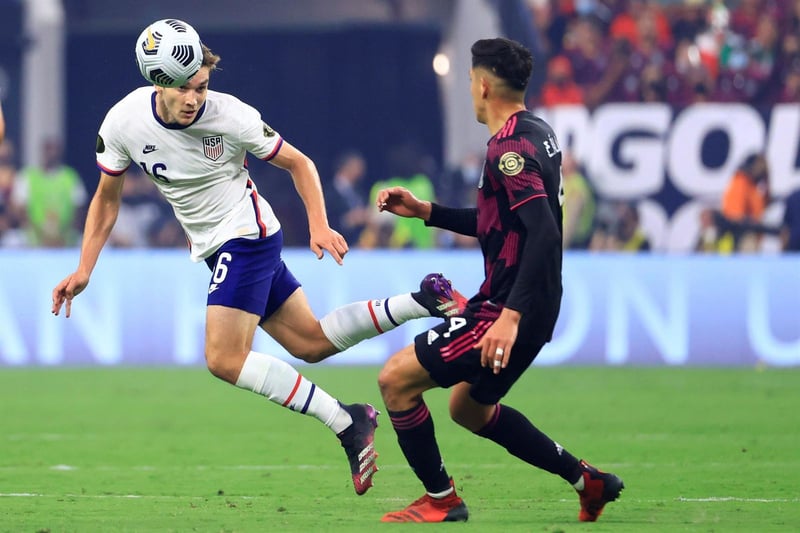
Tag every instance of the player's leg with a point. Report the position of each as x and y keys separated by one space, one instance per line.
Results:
x=229 y=333
x=433 y=361
x=293 y=324
x=238 y=294
x=476 y=407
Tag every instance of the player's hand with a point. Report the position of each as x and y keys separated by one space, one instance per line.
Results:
x=495 y=345
x=402 y=202
x=330 y=240
x=69 y=288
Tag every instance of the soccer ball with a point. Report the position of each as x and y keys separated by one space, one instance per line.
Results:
x=169 y=53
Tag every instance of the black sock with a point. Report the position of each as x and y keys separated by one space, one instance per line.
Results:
x=416 y=437
x=510 y=429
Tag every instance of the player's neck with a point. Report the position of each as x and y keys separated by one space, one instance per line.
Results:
x=498 y=114
x=162 y=111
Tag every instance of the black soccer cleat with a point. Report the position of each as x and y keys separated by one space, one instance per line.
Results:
x=437 y=295
x=358 y=443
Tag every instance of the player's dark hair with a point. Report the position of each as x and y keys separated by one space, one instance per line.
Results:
x=508 y=60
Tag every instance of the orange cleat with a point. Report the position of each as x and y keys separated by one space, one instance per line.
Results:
x=599 y=489
x=451 y=508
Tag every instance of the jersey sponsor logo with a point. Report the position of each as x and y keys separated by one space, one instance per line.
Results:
x=100 y=147
x=213 y=147
x=213 y=287
x=149 y=148
x=511 y=163
x=268 y=132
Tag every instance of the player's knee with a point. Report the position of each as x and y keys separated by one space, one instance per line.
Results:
x=224 y=365
x=390 y=383
x=470 y=415
x=464 y=416
x=311 y=352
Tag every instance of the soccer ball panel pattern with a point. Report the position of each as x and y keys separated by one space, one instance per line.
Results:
x=169 y=53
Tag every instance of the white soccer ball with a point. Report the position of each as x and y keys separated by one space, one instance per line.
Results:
x=169 y=53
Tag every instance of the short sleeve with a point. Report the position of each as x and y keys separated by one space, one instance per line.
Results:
x=112 y=157
x=515 y=160
x=258 y=137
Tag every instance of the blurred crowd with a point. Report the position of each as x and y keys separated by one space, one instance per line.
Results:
x=46 y=207
x=675 y=52
x=678 y=52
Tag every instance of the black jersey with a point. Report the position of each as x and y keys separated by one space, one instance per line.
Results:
x=523 y=164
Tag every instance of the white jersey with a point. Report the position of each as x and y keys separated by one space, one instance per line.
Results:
x=200 y=169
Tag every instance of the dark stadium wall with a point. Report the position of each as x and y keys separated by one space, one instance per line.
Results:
x=327 y=90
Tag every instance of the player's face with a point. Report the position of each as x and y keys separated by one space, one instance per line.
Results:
x=181 y=104
x=477 y=91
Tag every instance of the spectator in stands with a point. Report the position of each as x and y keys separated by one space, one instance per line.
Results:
x=346 y=202
x=745 y=200
x=409 y=170
x=788 y=89
x=639 y=16
x=141 y=207
x=458 y=185
x=689 y=20
x=166 y=232
x=745 y=17
x=52 y=197
x=618 y=229
x=550 y=18
x=11 y=234
x=790 y=92
x=560 y=88
x=597 y=69
x=579 y=204
x=747 y=193
x=690 y=80
x=586 y=49
x=790 y=227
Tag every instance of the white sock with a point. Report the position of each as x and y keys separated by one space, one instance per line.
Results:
x=281 y=383
x=440 y=495
x=350 y=324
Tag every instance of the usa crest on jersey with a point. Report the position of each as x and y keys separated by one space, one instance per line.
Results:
x=213 y=147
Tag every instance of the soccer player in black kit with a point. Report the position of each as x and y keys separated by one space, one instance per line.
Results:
x=483 y=351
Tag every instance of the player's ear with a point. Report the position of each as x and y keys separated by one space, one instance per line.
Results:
x=485 y=86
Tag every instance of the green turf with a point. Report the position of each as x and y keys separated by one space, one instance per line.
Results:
x=175 y=450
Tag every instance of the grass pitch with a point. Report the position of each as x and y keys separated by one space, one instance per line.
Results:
x=111 y=450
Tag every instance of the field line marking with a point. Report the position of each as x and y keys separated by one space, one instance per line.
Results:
x=711 y=499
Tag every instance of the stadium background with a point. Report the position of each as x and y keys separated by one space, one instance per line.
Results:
x=331 y=76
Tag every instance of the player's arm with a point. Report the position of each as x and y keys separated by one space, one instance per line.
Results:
x=541 y=241
x=100 y=219
x=306 y=181
x=402 y=202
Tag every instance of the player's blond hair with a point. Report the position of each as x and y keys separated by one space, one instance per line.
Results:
x=210 y=59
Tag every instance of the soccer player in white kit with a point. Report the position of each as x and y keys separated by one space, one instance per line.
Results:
x=193 y=143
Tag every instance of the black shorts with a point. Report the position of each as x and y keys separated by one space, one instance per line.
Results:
x=447 y=353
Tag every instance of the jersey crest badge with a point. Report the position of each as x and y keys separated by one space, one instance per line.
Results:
x=213 y=147
x=511 y=163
